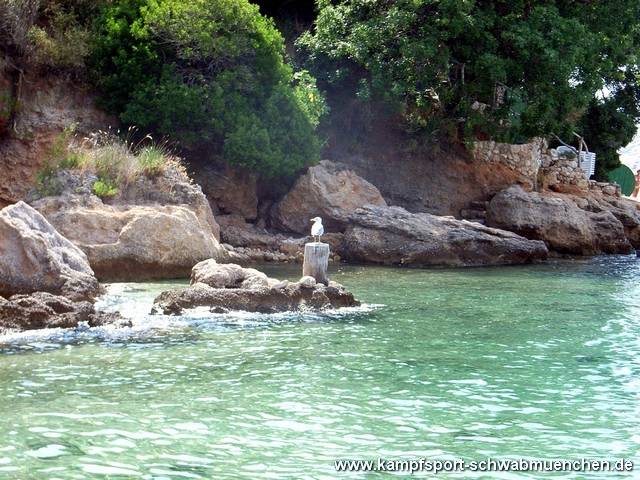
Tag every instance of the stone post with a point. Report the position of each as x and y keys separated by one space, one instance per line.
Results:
x=316 y=261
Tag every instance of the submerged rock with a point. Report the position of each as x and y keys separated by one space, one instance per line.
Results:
x=227 y=287
x=393 y=236
x=45 y=310
x=565 y=224
x=326 y=190
x=35 y=257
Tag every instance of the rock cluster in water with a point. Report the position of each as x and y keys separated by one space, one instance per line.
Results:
x=35 y=257
x=46 y=279
x=45 y=310
x=228 y=287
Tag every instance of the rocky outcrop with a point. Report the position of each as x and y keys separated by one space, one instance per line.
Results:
x=393 y=236
x=157 y=226
x=133 y=242
x=47 y=105
x=172 y=187
x=560 y=222
x=607 y=200
x=44 y=310
x=228 y=287
x=327 y=190
x=35 y=257
x=230 y=190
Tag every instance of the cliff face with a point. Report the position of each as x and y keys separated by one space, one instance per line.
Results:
x=441 y=180
x=43 y=107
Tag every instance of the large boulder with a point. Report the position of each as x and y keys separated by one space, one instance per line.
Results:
x=227 y=287
x=625 y=210
x=133 y=242
x=559 y=221
x=326 y=190
x=393 y=236
x=45 y=310
x=35 y=257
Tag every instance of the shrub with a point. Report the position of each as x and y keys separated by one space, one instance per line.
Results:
x=16 y=19
x=211 y=74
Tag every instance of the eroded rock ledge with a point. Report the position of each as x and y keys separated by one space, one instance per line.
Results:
x=393 y=236
x=45 y=310
x=227 y=287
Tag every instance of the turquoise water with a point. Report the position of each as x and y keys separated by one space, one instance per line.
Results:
x=535 y=362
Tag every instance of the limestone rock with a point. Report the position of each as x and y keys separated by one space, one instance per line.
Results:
x=230 y=190
x=45 y=310
x=307 y=282
x=328 y=191
x=133 y=242
x=558 y=221
x=47 y=105
x=393 y=236
x=227 y=275
x=35 y=257
x=225 y=287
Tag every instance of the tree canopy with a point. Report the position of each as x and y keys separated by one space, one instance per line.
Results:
x=212 y=75
x=508 y=70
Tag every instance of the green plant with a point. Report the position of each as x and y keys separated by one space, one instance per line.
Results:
x=104 y=188
x=47 y=183
x=210 y=74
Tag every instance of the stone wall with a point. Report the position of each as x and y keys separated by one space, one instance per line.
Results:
x=525 y=159
x=561 y=173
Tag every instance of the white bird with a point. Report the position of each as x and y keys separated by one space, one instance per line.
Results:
x=317 y=229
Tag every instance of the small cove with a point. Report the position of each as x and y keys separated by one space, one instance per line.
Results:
x=537 y=361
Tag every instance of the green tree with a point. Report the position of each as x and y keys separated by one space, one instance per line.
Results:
x=212 y=75
x=509 y=70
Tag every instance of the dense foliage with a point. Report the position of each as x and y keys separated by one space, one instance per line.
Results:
x=210 y=74
x=503 y=69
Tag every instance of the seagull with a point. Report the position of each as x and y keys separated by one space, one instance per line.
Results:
x=317 y=229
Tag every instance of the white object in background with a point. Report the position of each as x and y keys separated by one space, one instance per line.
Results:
x=587 y=162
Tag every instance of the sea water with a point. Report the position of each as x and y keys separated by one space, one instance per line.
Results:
x=533 y=362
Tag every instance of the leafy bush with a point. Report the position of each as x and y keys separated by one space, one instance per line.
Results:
x=16 y=19
x=63 y=45
x=211 y=74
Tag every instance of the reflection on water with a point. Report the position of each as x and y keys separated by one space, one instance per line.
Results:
x=537 y=362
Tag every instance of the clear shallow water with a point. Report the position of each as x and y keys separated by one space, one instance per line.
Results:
x=537 y=362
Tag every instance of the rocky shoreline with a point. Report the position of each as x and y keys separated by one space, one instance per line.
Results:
x=55 y=251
